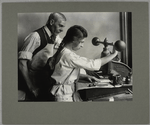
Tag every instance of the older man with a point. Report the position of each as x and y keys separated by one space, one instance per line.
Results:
x=38 y=47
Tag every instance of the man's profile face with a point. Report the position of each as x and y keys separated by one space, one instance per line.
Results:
x=58 y=26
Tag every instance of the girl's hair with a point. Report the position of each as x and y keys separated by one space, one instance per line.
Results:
x=73 y=33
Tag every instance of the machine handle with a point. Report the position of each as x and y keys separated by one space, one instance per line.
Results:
x=118 y=45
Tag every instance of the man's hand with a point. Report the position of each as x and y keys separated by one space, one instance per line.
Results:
x=35 y=92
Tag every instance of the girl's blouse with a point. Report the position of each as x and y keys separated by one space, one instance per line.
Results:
x=69 y=64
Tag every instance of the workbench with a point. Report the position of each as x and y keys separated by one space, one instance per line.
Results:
x=104 y=92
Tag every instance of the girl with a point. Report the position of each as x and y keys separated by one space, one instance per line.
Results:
x=68 y=64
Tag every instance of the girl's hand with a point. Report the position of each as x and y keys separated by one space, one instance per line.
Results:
x=115 y=51
x=93 y=79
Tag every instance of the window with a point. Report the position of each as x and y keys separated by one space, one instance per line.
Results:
x=126 y=36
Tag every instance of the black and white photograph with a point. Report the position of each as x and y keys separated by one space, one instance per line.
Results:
x=71 y=62
x=75 y=56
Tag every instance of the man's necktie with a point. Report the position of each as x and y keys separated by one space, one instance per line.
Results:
x=52 y=39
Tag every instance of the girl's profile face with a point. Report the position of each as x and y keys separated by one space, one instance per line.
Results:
x=78 y=44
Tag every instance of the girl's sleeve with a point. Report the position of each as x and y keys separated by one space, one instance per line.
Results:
x=32 y=41
x=85 y=63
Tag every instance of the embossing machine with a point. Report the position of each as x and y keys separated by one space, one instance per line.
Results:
x=116 y=77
